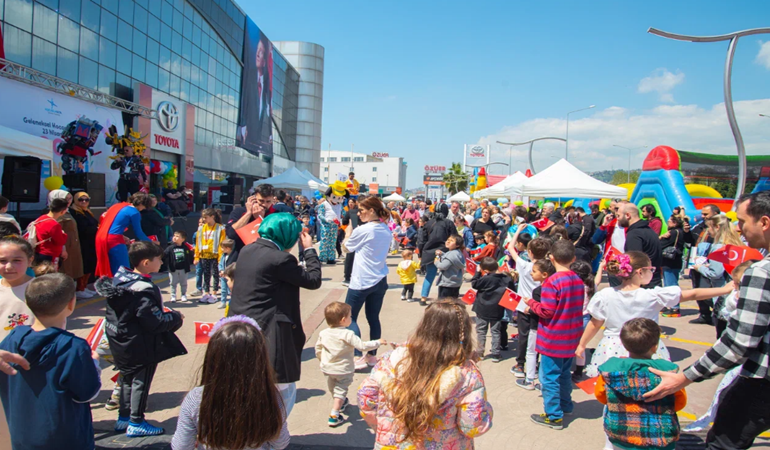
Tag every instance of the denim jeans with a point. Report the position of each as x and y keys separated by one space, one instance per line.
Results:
x=199 y=276
x=288 y=395
x=371 y=300
x=671 y=278
x=224 y=293
x=430 y=275
x=556 y=382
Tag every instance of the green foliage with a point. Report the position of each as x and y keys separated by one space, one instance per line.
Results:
x=728 y=188
x=455 y=179
x=622 y=177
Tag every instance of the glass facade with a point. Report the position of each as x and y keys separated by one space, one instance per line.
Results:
x=191 y=50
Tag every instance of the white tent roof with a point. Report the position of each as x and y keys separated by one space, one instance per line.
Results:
x=563 y=179
x=312 y=177
x=394 y=198
x=459 y=197
x=19 y=143
x=501 y=188
x=292 y=179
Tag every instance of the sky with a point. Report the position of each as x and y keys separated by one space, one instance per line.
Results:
x=420 y=79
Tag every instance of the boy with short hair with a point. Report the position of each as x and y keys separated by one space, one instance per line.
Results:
x=629 y=421
x=490 y=286
x=178 y=257
x=5 y=217
x=49 y=234
x=229 y=256
x=140 y=333
x=48 y=406
x=559 y=330
x=335 y=348
x=537 y=249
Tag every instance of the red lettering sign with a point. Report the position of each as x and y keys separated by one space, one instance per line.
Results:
x=435 y=169
x=166 y=141
x=380 y=155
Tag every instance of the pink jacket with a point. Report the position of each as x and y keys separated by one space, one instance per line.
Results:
x=413 y=214
x=463 y=415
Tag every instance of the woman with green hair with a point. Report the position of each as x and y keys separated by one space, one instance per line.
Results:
x=267 y=283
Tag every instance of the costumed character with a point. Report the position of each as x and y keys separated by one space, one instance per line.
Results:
x=130 y=161
x=329 y=216
x=78 y=139
x=353 y=185
x=111 y=245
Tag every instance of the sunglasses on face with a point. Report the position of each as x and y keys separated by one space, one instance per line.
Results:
x=84 y=199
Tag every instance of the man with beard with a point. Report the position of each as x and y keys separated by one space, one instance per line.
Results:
x=641 y=238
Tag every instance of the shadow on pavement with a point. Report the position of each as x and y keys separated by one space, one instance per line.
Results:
x=305 y=394
x=587 y=410
x=678 y=354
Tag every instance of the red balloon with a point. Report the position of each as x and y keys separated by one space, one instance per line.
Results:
x=154 y=166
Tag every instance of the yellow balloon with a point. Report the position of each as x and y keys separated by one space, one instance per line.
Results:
x=53 y=183
x=731 y=215
x=518 y=203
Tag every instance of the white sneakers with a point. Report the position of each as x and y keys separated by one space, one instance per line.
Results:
x=183 y=299
x=82 y=295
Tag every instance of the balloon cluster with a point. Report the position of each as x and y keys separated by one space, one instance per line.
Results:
x=317 y=195
x=168 y=172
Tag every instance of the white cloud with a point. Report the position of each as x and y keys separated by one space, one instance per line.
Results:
x=663 y=82
x=685 y=127
x=763 y=57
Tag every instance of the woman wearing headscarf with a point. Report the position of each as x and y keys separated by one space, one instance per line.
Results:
x=73 y=265
x=87 y=225
x=267 y=283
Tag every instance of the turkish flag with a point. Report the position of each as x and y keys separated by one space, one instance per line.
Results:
x=250 y=232
x=95 y=335
x=588 y=386
x=154 y=239
x=470 y=266
x=542 y=224
x=469 y=297
x=202 y=330
x=189 y=246
x=733 y=255
x=510 y=300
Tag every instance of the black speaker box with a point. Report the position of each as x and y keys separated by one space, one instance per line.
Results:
x=21 y=178
x=92 y=183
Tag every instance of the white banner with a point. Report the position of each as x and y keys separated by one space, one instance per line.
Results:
x=45 y=114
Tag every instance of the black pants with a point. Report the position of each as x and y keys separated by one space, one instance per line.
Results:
x=134 y=389
x=349 y=258
x=210 y=267
x=407 y=291
x=504 y=335
x=743 y=414
x=523 y=324
x=340 y=238
x=127 y=187
x=448 y=292
x=704 y=306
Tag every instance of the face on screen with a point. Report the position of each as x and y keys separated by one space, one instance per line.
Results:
x=260 y=55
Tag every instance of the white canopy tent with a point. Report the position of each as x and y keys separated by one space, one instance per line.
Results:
x=313 y=177
x=459 y=197
x=292 y=179
x=563 y=179
x=19 y=143
x=393 y=198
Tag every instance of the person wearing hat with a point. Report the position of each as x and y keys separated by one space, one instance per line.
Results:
x=266 y=287
x=329 y=217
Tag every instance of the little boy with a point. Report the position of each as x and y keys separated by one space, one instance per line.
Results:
x=335 y=348
x=558 y=334
x=407 y=274
x=178 y=257
x=140 y=332
x=725 y=305
x=229 y=256
x=490 y=286
x=629 y=421
x=48 y=406
x=49 y=234
x=5 y=217
x=537 y=249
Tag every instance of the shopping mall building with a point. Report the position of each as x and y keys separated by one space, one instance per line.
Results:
x=215 y=102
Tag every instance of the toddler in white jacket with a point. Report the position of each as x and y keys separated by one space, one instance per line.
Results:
x=335 y=348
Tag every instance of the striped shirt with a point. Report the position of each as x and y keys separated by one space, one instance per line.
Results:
x=562 y=298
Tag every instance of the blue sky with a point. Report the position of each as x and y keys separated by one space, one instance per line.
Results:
x=420 y=79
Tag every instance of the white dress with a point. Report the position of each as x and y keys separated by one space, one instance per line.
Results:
x=616 y=307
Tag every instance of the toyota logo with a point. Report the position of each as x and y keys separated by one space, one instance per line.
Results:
x=168 y=116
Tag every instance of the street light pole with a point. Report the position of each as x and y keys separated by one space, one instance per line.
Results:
x=566 y=152
x=629 y=157
x=531 y=143
x=764 y=115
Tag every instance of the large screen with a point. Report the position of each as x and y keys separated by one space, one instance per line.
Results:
x=255 y=127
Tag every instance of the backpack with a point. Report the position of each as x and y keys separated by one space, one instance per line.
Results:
x=30 y=234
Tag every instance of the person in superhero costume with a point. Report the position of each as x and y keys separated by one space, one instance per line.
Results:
x=111 y=246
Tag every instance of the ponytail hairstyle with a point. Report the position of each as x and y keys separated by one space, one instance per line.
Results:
x=443 y=340
x=376 y=205
x=585 y=272
x=625 y=264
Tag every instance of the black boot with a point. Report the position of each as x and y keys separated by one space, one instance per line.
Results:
x=577 y=374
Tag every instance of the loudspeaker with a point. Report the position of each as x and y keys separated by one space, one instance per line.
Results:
x=21 y=178
x=76 y=182
x=92 y=183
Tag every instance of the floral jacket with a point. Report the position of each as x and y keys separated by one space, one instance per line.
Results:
x=463 y=415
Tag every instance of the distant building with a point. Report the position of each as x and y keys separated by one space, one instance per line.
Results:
x=388 y=173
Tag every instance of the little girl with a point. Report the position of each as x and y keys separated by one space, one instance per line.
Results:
x=612 y=307
x=208 y=252
x=583 y=270
x=237 y=405
x=430 y=392
x=489 y=249
x=407 y=273
x=16 y=256
x=450 y=266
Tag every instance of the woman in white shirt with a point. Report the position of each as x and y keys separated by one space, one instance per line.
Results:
x=613 y=306
x=369 y=280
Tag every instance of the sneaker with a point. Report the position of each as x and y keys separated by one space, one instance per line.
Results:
x=196 y=293
x=668 y=312
x=700 y=320
x=542 y=419
x=345 y=404
x=412 y=300
x=526 y=384
x=82 y=295
x=403 y=298
x=346 y=283
x=204 y=298
x=112 y=404
x=518 y=371
x=122 y=424
x=538 y=387
x=172 y=299
x=361 y=363
x=423 y=302
x=183 y=299
x=371 y=360
x=495 y=357
x=222 y=306
x=335 y=421
x=143 y=429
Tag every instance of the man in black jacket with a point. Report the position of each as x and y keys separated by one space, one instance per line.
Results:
x=641 y=238
x=280 y=205
x=435 y=234
x=258 y=205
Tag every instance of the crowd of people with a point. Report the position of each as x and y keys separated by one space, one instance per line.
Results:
x=427 y=392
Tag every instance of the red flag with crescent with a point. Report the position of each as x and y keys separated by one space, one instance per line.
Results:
x=202 y=330
x=733 y=255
